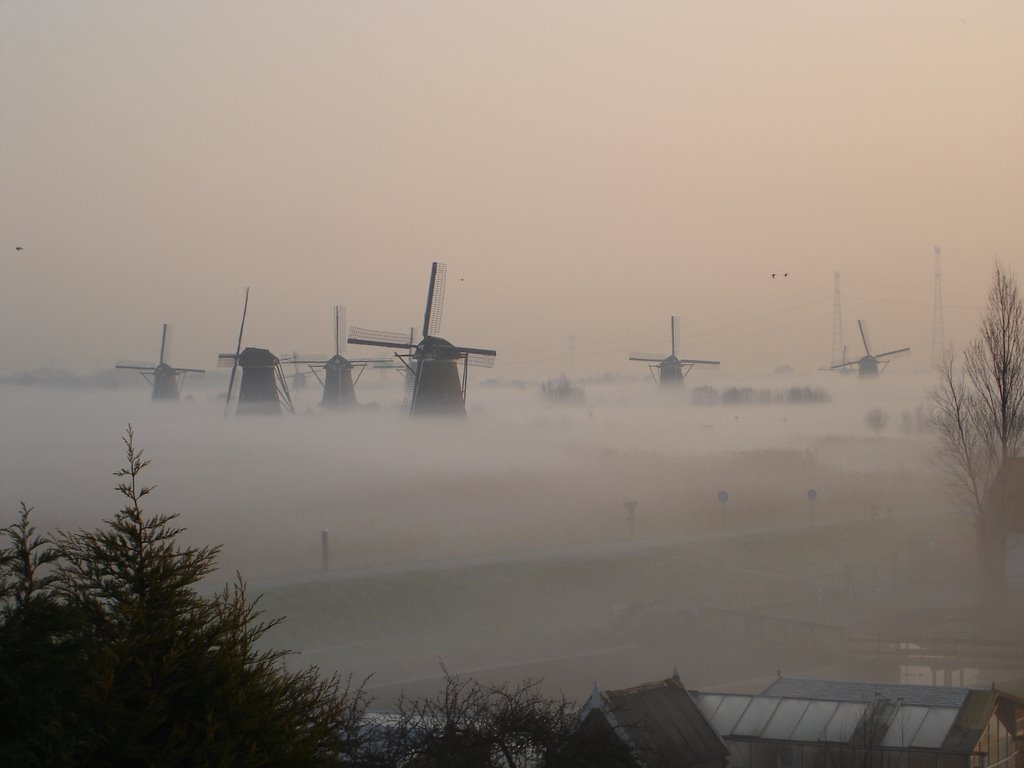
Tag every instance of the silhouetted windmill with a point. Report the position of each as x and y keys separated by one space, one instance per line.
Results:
x=870 y=364
x=166 y=380
x=433 y=384
x=263 y=388
x=672 y=370
x=338 y=383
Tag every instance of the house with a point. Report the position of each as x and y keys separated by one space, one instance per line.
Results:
x=661 y=724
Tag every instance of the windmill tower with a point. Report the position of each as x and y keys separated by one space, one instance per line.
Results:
x=338 y=383
x=263 y=388
x=165 y=379
x=433 y=381
x=870 y=364
x=671 y=370
x=938 y=331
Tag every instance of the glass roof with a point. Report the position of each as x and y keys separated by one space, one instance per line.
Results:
x=844 y=722
x=904 y=726
x=815 y=720
x=935 y=727
x=812 y=725
x=729 y=712
x=785 y=719
x=756 y=716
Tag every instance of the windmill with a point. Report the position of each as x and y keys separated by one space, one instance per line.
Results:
x=870 y=364
x=263 y=388
x=165 y=379
x=298 y=376
x=672 y=370
x=433 y=382
x=337 y=381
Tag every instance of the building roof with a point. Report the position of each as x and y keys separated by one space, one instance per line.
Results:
x=855 y=690
x=663 y=722
x=859 y=713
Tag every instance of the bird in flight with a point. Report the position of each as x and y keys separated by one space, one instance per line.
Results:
x=18 y=248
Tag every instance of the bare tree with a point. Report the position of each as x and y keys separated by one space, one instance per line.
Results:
x=978 y=413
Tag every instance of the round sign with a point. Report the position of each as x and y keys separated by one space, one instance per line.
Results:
x=812 y=494
x=723 y=497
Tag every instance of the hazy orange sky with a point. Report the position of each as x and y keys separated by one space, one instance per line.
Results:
x=585 y=169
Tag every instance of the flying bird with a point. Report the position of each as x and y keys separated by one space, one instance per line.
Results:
x=18 y=248
x=773 y=275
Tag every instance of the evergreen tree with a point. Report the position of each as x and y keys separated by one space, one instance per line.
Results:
x=41 y=678
x=160 y=675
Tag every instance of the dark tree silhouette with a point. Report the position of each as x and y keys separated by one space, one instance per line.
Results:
x=161 y=674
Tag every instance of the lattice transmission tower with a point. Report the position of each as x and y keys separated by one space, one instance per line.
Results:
x=838 y=348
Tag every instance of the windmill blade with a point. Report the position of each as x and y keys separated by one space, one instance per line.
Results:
x=480 y=361
x=135 y=365
x=435 y=299
x=647 y=357
x=864 y=336
x=893 y=352
x=474 y=351
x=238 y=353
x=675 y=333
x=165 y=343
x=373 y=338
x=412 y=378
x=375 y=361
x=391 y=364
x=844 y=365
x=283 y=395
x=226 y=359
x=340 y=330
x=701 y=362
x=189 y=370
x=298 y=359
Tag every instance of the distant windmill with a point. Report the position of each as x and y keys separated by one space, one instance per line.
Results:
x=263 y=388
x=433 y=384
x=298 y=376
x=871 y=364
x=672 y=370
x=165 y=379
x=338 y=383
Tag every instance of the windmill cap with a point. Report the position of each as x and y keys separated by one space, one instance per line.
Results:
x=254 y=357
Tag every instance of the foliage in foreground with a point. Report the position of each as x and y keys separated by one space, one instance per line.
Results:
x=109 y=656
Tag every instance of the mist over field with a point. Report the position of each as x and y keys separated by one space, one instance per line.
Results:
x=518 y=474
x=500 y=544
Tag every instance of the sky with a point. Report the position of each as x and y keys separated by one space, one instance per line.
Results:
x=585 y=169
